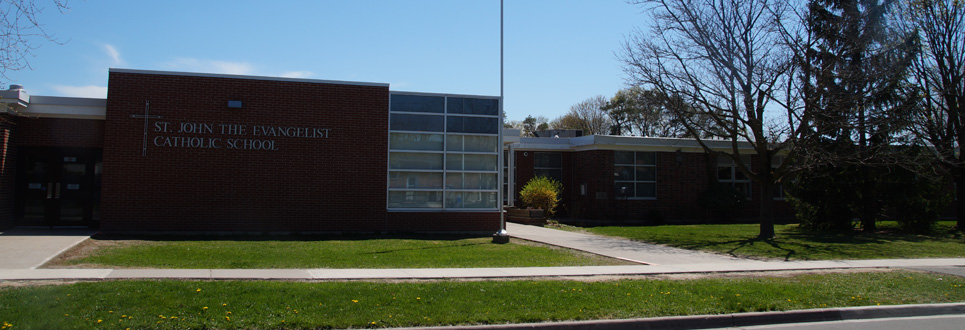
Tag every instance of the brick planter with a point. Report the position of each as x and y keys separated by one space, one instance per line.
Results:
x=526 y=216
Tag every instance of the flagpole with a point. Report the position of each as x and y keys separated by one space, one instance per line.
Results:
x=502 y=236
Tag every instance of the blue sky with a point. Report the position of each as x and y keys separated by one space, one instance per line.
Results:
x=557 y=52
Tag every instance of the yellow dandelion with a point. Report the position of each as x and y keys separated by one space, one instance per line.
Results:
x=373 y=322
x=204 y=308
x=355 y=301
x=227 y=318
x=99 y=321
x=199 y=290
x=417 y=298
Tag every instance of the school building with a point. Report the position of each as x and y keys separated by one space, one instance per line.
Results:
x=196 y=152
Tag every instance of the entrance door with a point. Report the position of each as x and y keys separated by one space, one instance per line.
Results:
x=58 y=187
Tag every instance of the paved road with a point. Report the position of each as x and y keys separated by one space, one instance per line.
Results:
x=940 y=322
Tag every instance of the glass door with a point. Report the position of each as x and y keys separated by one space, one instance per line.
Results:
x=58 y=187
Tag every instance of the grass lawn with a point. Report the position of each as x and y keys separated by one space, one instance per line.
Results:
x=792 y=243
x=323 y=252
x=171 y=304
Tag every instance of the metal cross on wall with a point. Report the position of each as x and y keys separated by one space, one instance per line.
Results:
x=147 y=116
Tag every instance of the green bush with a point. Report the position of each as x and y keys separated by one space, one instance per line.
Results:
x=542 y=193
x=830 y=198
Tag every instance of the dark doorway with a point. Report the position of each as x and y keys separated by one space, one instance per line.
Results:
x=58 y=187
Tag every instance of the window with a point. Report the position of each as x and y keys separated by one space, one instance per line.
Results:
x=548 y=164
x=443 y=152
x=728 y=174
x=635 y=174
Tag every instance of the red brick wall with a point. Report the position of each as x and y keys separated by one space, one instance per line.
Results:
x=462 y=222
x=26 y=132
x=8 y=165
x=308 y=184
x=60 y=132
x=524 y=172
x=679 y=186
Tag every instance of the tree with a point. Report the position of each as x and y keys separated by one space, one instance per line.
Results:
x=636 y=111
x=586 y=116
x=940 y=73
x=21 y=32
x=531 y=125
x=852 y=77
x=728 y=61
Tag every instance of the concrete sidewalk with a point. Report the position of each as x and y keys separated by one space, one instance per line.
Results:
x=639 y=252
x=468 y=273
x=29 y=248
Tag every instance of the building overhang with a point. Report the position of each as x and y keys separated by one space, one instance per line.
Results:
x=65 y=107
x=629 y=143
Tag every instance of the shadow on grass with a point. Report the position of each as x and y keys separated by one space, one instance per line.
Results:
x=426 y=248
x=796 y=243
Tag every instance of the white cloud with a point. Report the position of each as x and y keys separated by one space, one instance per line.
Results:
x=210 y=66
x=114 y=54
x=297 y=74
x=91 y=91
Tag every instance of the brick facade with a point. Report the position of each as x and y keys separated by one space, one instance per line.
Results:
x=314 y=181
x=59 y=133
x=681 y=179
x=8 y=165
x=20 y=133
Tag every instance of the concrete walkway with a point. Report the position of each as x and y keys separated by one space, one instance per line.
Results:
x=28 y=248
x=643 y=253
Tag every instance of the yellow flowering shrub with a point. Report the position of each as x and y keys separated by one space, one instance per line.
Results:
x=542 y=193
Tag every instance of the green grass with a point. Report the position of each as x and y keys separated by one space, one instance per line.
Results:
x=333 y=252
x=170 y=304
x=792 y=243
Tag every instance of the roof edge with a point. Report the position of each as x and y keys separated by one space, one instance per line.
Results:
x=233 y=76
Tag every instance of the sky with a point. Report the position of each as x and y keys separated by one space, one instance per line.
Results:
x=556 y=54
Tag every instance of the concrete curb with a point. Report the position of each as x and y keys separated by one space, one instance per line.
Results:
x=739 y=320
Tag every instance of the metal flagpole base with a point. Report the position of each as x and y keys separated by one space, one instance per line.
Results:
x=502 y=237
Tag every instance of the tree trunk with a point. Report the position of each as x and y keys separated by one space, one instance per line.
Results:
x=868 y=205
x=767 y=210
x=767 y=195
x=959 y=178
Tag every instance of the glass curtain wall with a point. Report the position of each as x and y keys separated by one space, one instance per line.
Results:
x=443 y=152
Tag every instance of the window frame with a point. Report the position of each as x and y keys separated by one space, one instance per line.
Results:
x=734 y=171
x=448 y=198
x=635 y=181
x=537 y=169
